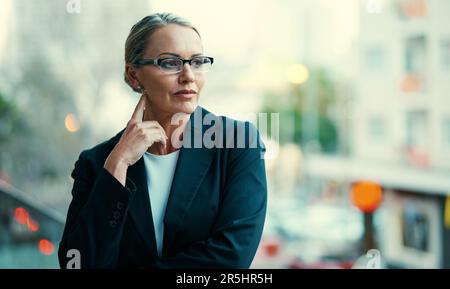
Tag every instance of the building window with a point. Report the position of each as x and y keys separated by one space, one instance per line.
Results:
x=446 y=132
x=445 y=55
x=416 y=228
x=377 y=128
x=417 y=129
x=375 y=58
x=415 y=54
x=415 y=64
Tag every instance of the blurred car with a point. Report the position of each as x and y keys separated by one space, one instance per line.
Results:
x=315 y=236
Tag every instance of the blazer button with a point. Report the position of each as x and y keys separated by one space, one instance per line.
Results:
x=116 y=215
x=112 y=224
x=120 y=205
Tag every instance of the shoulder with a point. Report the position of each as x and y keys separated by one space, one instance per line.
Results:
x=238 y=142
x=235 y=134
x=91 y=159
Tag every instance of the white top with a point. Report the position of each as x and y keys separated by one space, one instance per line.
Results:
x=160 y=170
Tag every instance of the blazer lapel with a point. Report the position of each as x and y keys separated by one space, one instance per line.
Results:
x=192 y=166
x=140 y=209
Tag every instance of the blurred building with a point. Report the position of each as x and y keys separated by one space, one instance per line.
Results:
x=411 y=226
x=400 y=129
x=402 y=110
x=402 y=122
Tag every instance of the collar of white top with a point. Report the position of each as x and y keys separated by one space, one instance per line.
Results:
x=172 y=154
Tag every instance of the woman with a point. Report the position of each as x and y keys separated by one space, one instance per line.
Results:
x=152 y=197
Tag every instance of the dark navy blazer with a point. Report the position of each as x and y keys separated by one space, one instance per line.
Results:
x=214 y=217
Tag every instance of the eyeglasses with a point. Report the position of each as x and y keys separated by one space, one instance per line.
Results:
x=176 y=64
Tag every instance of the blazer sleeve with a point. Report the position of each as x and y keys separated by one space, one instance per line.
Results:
x=96 y=216
x=239 y=225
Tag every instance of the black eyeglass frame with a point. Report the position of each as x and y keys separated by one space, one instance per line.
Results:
x=157 y=61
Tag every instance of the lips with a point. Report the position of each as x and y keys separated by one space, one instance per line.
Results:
x=185 y=93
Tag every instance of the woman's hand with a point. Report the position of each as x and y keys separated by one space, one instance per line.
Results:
x=138 y=136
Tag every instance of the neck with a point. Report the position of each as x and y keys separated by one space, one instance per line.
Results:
x=165 y=120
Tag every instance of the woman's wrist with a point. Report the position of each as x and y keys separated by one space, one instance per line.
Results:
x=117 y=167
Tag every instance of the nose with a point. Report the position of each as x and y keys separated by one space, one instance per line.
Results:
x=186 y=74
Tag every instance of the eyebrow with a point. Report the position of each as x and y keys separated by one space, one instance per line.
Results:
x=174 y=54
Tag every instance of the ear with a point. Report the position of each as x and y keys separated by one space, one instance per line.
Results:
x=131 y=72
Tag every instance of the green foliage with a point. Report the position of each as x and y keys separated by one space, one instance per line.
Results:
x=292 y=109
x=10 y=121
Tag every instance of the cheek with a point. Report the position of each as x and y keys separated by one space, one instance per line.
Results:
x=200 y=82
x=162 y=85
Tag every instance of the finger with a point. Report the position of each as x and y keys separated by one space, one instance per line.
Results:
x=157 y=138
x=158 y=134
x=152 y=123
x=163 y=140
x=162 y=137
x=138 y=113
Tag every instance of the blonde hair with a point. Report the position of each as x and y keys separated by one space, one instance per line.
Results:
x=137 y=40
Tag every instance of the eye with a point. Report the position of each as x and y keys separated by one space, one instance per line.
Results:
x=169 y=63
x=199 y=61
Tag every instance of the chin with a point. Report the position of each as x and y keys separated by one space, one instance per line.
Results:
x=186 y=107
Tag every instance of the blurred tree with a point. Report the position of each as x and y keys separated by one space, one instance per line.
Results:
x=291 y=108
x=8 y=119
x=12 y=126
x=37 y=150
x=58 y=64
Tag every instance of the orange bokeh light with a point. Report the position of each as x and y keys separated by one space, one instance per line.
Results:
x=366 y=196
x=32 y=225
x=46 y=247
x=21 y=215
